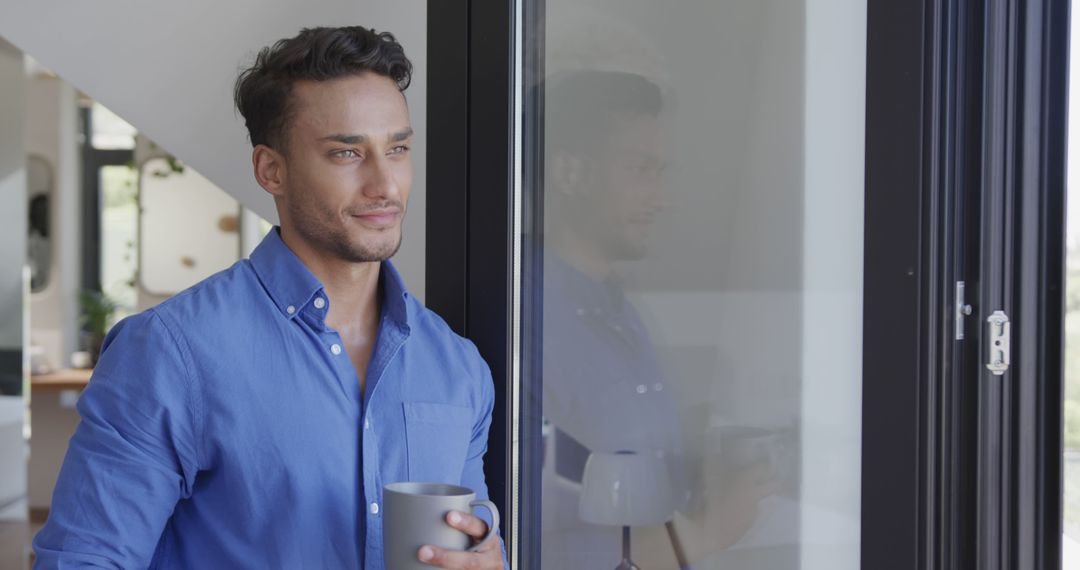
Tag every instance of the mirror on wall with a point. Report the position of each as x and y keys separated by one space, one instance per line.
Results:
x=39 y=184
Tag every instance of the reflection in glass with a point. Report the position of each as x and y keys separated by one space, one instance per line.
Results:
x=603 y=388
x=701 y=284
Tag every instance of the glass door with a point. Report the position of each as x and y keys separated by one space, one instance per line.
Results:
x=697 y=179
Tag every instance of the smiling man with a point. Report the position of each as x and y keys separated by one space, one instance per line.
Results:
x=253 y=420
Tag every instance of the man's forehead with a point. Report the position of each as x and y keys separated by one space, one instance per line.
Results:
x=352 y=109
x=352 y=93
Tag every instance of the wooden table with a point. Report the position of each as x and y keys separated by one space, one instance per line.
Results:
x=67 y=379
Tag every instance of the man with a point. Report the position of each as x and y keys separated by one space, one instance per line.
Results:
x=253 y=420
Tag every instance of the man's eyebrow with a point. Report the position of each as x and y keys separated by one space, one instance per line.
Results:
x=401 y=135
x=345 y=139
x=360 y=139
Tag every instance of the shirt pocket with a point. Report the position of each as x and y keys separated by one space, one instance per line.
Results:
x=437 y=440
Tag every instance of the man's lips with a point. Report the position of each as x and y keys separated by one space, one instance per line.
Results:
x=380 y=217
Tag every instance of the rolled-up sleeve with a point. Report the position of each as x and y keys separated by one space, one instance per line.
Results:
x=134 y=454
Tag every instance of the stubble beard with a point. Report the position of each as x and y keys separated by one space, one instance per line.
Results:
x=319 y=229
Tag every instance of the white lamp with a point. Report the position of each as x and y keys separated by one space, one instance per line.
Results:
x=626 y=489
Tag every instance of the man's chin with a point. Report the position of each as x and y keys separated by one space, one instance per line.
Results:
x=371 y=250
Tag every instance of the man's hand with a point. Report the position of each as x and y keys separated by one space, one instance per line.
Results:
x=489 y=557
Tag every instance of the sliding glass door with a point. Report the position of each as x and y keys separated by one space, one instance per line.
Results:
x=731 y=264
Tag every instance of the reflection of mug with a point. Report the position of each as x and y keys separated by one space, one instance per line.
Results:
x=415 y=515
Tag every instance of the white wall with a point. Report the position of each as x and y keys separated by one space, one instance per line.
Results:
x=169 y=68
x=176 y=205
x=51 y=131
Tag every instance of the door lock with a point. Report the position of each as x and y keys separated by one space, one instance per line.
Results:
x=998 y=339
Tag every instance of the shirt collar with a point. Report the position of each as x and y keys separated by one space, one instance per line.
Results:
x=394 y=295
x=292 y=285
x=606 y=296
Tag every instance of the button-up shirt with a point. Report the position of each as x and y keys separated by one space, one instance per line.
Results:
x=225 y=428
x=603 y=391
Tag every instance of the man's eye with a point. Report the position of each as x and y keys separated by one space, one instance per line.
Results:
x=347 y=153
x=399 y=149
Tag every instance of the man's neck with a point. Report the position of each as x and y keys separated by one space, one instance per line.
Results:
x=352 y=288
x=580 y=255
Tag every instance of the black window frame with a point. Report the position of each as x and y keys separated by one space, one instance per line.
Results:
x=93 y=160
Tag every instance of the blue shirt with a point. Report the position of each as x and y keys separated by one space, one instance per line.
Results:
x=597 y=348
x=225 y=428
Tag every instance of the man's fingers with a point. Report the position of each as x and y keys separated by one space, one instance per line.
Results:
x=469 y=524
x=452 y=559
x=488 y=557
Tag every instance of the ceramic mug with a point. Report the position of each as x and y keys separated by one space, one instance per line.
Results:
x=414 y=514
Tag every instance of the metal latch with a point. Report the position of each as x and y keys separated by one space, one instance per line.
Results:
x=998 y=337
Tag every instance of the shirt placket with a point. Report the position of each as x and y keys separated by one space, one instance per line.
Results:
x=369 y=450
x=391 y=338
x=331 y=344
x=346 y=375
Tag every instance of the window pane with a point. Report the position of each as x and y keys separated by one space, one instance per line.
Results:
x=701 y=283
x=119 y=236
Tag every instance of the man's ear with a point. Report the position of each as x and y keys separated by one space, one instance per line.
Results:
x=567 y=173
x=269 y=166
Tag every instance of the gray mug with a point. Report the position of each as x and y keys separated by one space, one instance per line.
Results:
x=414 y=514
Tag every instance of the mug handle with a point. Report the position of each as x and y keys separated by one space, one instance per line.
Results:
x=493 y=529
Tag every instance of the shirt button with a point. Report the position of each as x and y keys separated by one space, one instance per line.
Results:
x=367 y=424
x=374 y=508
x=290 y=309
x=641 y=389
x=320 y=302
x=335 y=348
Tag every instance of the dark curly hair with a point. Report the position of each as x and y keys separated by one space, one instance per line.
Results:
x=263 y=91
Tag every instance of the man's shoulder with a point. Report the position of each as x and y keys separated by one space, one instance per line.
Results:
x=208 y=303
x=432 y=328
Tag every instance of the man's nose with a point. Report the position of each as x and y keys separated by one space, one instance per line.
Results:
x=380 y=182
x=658 y=196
